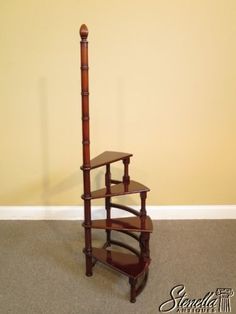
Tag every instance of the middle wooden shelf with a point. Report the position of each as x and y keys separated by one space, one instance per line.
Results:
x=118 y=189
x=135 y=224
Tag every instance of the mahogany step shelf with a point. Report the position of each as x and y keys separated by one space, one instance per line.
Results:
x=134 y=263
x=129 y=265
x=134 y=224
x=118 y=189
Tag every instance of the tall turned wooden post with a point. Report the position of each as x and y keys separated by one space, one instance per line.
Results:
x=133 y=263
x=86 y=147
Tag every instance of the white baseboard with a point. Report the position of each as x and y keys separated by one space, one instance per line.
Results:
x=161 y=212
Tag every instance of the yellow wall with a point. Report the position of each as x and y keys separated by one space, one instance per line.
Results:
x=162 y=83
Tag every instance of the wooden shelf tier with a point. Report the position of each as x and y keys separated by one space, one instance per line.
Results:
x=107 y=157
x=119 y=189
x=135 y=224
x=128 y=264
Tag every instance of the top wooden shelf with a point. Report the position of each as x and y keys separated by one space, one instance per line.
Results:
x=107 y=157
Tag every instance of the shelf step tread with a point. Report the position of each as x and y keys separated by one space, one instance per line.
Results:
x=128 y=264
x=135 y=224
x=120 y=189
x=107 y=157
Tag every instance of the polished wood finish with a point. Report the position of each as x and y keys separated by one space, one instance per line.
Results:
x=108 y=200
x=126 y=208
x=118 y=189
x=135 y=263
x=113 y=181
x=86 y=145
x=107 y=157
x=134 y=224
x=128 y=264
x=126 y=178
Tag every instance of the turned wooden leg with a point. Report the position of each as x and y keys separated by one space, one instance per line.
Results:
x=144 y=244
x=88 y=253
x=88 y=261
x=144 y=236
x=108 y=201
x=88 y=240
x=89 y=266
x=133 y=283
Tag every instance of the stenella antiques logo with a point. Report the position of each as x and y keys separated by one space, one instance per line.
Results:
x=211 y=302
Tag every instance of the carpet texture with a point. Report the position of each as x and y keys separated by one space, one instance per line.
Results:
x=42 y=267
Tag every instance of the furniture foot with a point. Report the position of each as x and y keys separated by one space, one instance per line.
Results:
x=88 y=262
x=132 y=290
x=89 y=266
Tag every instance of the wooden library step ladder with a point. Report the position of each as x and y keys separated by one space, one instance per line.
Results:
x=135 y=262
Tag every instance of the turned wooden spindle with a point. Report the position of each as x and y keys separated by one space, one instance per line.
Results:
x=108 y=179
x=143 y=196
x=144 y=245
x=144 y=236
x=126 y=178
x=108 y=201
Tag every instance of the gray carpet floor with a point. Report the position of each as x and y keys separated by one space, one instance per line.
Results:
x=42 y=267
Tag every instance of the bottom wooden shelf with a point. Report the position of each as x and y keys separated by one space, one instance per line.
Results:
x=127 y=264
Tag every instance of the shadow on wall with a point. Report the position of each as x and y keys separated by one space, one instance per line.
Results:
x=74 y=179
x=43 y=105
x=44 y=191
x=49 y=189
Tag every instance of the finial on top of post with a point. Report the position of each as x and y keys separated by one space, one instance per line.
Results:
x=84 y=32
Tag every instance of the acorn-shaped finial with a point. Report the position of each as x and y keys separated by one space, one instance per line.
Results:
x=83 y=31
